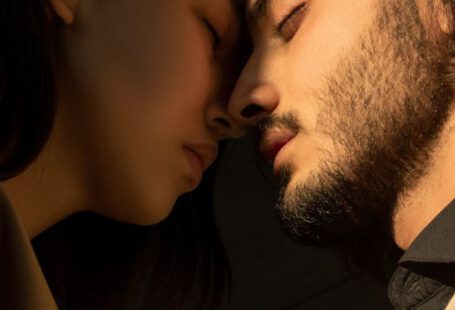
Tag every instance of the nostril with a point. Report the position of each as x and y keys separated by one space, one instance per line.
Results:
x=251 y=110
x=224 y=122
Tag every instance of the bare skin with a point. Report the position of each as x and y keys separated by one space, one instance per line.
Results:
x=142 y=90
x=417 y=208
x=305 y=49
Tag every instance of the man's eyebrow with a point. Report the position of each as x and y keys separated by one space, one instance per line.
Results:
x=258 y=10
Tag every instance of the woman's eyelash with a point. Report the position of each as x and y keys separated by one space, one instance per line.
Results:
x=214 y=33
x=279 y=29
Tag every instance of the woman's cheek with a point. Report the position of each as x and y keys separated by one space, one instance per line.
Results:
x=196 y=69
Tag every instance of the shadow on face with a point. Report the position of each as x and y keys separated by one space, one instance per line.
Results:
x=143 y=87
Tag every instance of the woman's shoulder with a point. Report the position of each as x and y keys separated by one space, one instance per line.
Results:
x=22 y=283
x=10 y=226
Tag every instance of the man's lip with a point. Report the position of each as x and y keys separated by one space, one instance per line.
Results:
x=273 y=141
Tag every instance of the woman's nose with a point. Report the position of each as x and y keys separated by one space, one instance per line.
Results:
x=222 y=124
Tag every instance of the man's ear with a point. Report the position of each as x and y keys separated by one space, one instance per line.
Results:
x=65 y=9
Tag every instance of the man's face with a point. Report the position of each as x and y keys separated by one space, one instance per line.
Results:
x=358 y=97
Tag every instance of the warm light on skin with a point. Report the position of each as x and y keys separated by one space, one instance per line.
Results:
x=137 y=81
x=296 y=71
x=434 y=192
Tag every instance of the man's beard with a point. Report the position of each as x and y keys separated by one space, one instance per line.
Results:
x=384 y=107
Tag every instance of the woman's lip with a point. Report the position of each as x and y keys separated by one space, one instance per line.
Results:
x=196 y=164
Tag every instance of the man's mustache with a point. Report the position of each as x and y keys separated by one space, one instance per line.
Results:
x=287 y=121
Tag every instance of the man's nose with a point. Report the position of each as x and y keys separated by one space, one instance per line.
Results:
x=249 y=107
x=255 y=96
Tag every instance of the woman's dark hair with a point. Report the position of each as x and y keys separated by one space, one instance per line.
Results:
x=27 y=96
x=92 y=262
x=89 y=261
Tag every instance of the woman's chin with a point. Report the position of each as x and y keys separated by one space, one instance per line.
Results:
x=140 y=213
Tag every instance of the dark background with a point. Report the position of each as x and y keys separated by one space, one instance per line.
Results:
x=270 y=271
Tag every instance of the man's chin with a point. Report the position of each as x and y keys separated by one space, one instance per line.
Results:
x=315 y=212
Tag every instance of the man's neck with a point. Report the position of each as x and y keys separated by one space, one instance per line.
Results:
x=436 y=189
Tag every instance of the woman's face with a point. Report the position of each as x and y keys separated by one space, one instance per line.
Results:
x=142 y=102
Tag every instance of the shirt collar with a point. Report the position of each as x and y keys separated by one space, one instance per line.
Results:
x=436 y=243
x=427 y=269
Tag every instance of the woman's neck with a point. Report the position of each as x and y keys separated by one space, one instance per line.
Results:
x=52 y=187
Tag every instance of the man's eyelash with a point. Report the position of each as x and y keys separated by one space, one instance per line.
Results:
x=279 y=27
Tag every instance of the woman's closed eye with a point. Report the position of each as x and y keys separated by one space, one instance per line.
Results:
x=215 y=37
x=291 y=22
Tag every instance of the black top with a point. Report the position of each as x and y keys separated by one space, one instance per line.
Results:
x=425 y=278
